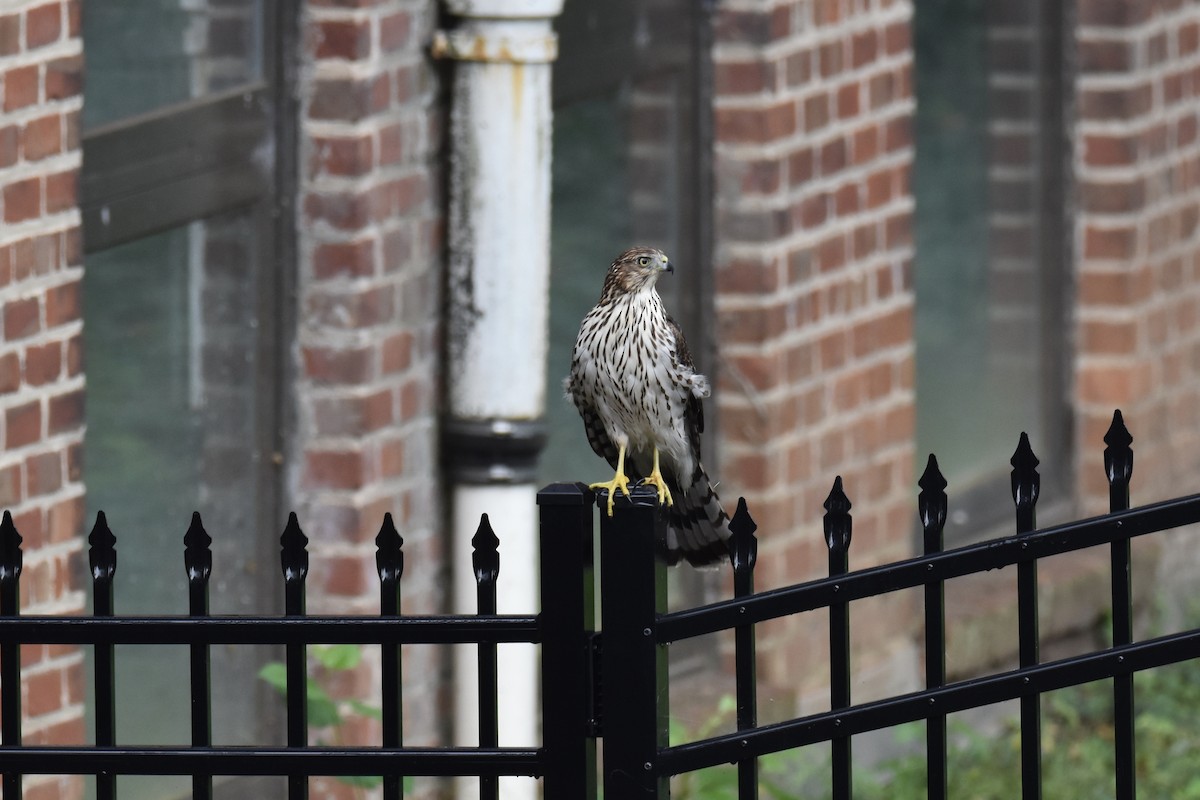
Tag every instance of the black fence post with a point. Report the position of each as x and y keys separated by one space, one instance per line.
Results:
x=932 y=507
x=197 y=561
x=1026 y=485
x=102 y=557
x=634 y=665
x=389 y=562
x=743 y=553
x=11 y=561
x=485 y=561
x=837 y=524
x=294 y=559
x=1118 y=467
x=567 y=620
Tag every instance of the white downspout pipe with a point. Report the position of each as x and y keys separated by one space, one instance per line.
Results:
x=496 y=333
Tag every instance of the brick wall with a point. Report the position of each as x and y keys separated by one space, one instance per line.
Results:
x=41 y=374
x=813 y=276
x=369 y=300
x=1137 y=160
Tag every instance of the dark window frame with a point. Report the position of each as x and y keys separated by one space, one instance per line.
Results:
x=229 y=151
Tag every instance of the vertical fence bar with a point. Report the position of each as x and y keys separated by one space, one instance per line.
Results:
x=743 y=553
x=1026 y=485
x=294 y=559
x=567 y=620
x=197 y=561
x=11 y=562
x=1118 y=467
x=633 y=594
x=838 y=526
x=102 y=557
x=485 y=560
x=932 y=506
x=389 y=561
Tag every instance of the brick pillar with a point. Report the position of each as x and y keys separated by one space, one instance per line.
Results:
x=1138 y=166
x=369 y=299
x=41 y=374
x=813 y=273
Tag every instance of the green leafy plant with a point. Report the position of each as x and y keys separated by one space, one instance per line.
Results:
x=324 y=711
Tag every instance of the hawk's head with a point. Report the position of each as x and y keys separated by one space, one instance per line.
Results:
x=636 y=270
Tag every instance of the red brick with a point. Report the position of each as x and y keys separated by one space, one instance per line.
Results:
x=10 y=145
x=1109 y=243
x=349 y=99
x=10 y=34
x=43 y=364
x=344 y=259
x=354 y=415
x=43 y=693
x=44 y=473
x=22 y=200
x=344 y=211
x=864 y=48
x=328 y=365
x=66 y=412
x=394 y=31
x=342 y=39
x=42 y=137
x=848 y=101
x=743 y=77
x=391 y=144
x=349 y=156
x=10 y=373
x=23 y=425
x=767 y=124
x=20 y=87
x=63 y=304
x=64 y=78
x=22 y=318
x=397 y=352
x=74 y=18
x=335 y=469
x=43 y=25
x=62 y=191
x=10 y=486
x=391 y=458
x=816 y=112
x=1109 y=337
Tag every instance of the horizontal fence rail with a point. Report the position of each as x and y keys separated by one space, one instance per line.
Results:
x=948 y=699
x=563 y=631
x=914 y=572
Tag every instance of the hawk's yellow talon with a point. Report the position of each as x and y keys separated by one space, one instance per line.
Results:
x=619 y=481
x=655 y=479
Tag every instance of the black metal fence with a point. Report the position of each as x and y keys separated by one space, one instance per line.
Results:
x=612 y=685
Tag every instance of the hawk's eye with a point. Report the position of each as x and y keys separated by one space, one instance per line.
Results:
x=643 y=262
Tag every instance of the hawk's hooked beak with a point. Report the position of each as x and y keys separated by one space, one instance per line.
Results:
x=667 y=266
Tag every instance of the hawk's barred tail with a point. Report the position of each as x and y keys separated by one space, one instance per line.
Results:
x=698 y=527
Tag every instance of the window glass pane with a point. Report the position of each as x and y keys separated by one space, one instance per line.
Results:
x=174 y=388
x=146 y=54
x=980 y=350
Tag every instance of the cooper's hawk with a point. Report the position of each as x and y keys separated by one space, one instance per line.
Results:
x=634 y=384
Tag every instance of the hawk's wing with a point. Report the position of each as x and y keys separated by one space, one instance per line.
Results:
x=694 y=413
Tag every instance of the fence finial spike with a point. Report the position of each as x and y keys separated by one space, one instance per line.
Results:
x=743 y=546
x=1118 y=435
x=11 y=558
x=197 y=552
x=294 y=552
x=932 y=479
x=389 y=557
x=932 y=504
x=837 y=517
x=486 y=555
x=102 y=553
